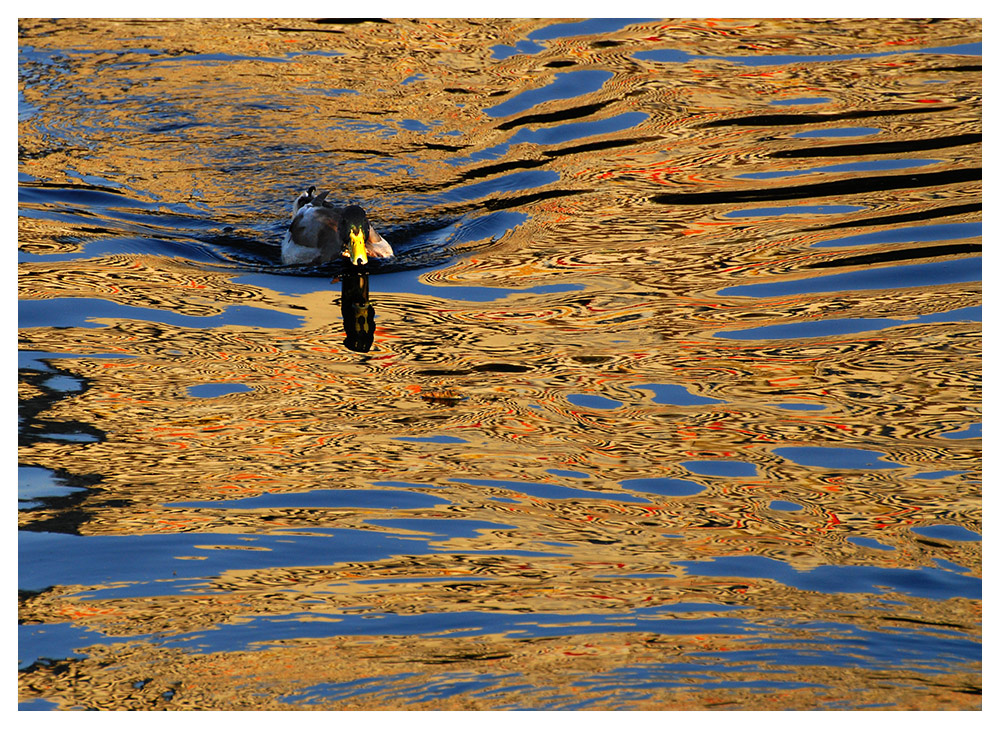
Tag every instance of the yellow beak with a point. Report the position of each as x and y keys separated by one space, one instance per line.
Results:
x=358 y=253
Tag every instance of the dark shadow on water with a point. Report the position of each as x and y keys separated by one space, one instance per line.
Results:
x=357 y=310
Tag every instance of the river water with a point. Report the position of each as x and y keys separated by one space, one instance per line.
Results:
x=672 y=400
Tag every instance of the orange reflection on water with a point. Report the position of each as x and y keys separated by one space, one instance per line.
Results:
x=480 y=470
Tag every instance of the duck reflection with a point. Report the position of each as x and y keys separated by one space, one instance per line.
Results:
x=358 y=313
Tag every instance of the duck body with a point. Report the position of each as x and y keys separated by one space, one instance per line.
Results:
x=320 y=233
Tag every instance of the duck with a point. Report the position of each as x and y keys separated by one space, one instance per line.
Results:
x=320 y=232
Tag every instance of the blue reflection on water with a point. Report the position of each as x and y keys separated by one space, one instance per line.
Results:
x=64 y=383
x=911 y=234
x=58 y=640
x=667 y=55
x=37 y=705
x=567 y=474
x=550 y=491
x=88 y=198
x=35 y=482
x=839 y=132
x=298 y=626
x=733 y=469
x=526 y=47
x=801 y=100
x=961 y=49
x=828 y=457
x=957 y=270
x=440 y=688
x=836 y=327
x=324 y=499
x=937 y=474
x=407 y=484
x=852 y=646
x=443 y=439
x=779 y=505
x=675 y=395
x=975 y=430
x=950 y=532
x=794 y=210
x=614 y=688
x=870 y=543
x=34 y=359
x=364 y=127
x=596 y=402
x=398 y=282
x=168 y=559
x=883 y=164
x=211 y=59
x=552 y=135
x=511 y=182
x=674 y=56
x=81 y=312
x=74 y=437
x=153 y=244
x=926 y=582
x=563 y=86
x=452 y=528
x=328 y=691
x=950 y=566
x=632 y=679
x=217 y=389
x=409 y=282
x=663 y=486
x=592 y=26
x=414 y=125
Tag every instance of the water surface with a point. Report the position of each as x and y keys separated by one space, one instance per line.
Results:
x=670 y=399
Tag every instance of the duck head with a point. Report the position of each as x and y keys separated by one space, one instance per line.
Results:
x=353 y=234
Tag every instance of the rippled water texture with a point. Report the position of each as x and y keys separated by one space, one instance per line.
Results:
x=672 y=399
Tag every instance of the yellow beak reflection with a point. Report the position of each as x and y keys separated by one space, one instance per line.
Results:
x=358 y=253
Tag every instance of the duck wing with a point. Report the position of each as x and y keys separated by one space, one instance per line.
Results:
x=376 y=245
x=317 y=227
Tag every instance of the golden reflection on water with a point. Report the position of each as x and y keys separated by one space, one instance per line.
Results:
x=502 y=379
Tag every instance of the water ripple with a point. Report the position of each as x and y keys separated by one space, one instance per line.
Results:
x=674 y=383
